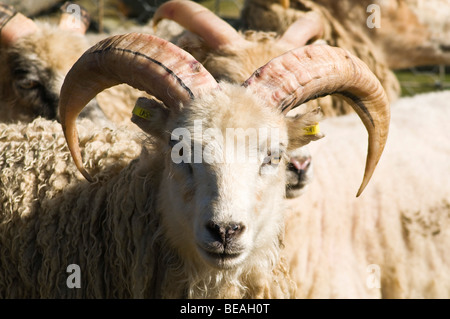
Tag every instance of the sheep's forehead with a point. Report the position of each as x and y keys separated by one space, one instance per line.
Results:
x=234 y=107
x=57 y=49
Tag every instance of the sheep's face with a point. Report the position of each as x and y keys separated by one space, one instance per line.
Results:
x=299 y=173
x=225 y=177
x=37 y=65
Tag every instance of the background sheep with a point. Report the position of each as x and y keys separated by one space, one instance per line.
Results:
x=34 y=58
x=232 y=56
x=402 y=33
x=411 y=33
x=392 y=241
x=124 y=229
x=226 y=53
x=268 y=15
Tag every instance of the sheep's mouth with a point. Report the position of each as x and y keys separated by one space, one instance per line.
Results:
x=222 y=259
x=223 y=256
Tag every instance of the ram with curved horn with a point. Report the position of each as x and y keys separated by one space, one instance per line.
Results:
x=199 y=213
x=216 y=201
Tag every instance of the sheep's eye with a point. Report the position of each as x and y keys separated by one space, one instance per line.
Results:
x=275 y=159
x=271 y=162
x=272 y=159
x=27 y=84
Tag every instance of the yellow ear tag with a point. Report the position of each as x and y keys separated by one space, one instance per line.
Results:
x=141 y=112
x=312 y=130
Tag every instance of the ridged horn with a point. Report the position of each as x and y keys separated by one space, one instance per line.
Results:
x=74 y=17
x=14 y=25
x=142 y=61
x=313 y=71
x=199 y=20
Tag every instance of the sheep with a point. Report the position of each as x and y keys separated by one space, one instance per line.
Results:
x=407 y=32
x=36 y=54
x=274 y=15
x=34 y=59
x=155 y=228
x=392 y=242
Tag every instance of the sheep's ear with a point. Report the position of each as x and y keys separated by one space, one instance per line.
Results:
x=304 y=128
x=151 y=116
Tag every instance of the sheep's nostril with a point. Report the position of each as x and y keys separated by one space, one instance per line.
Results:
x=299 y=163
x=216 y=231
x=224 y=232
x=233 y=230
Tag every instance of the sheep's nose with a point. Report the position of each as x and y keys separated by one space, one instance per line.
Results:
x=225 y=233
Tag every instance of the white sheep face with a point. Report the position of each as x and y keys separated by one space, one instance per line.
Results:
x=217 y=209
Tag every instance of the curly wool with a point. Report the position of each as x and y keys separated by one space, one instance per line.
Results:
x=51 y=217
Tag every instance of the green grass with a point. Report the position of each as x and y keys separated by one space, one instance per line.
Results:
x=224 y=8
x=422 y=81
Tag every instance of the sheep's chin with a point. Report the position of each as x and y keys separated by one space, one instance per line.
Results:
x=222 y=261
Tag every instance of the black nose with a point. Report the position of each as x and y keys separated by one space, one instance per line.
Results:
x=225 y=233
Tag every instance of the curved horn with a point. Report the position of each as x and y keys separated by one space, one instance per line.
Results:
x=14 y=25
x=318 y=70
x=74 y=17
x=304 y=29
x=199 y=20
x=144 y=62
